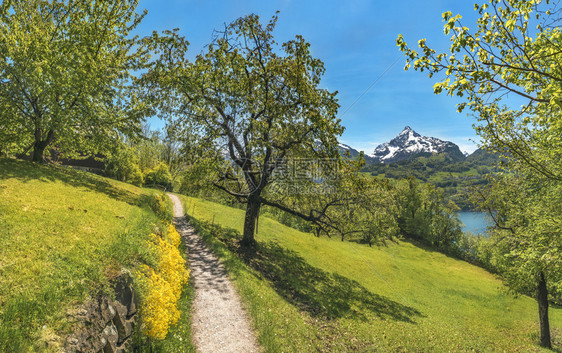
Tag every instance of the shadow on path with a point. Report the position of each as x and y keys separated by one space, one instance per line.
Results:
x=220 y=324
x=206 y=268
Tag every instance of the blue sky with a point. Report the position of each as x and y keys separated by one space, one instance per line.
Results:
x=356 y=41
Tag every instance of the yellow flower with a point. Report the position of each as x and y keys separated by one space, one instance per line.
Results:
x=164 y=284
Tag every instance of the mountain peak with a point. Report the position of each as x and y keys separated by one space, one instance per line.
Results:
x=409 y=143
x=407 y=131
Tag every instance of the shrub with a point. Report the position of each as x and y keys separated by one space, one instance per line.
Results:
x=158 y=204
x=423 y=215
x=123 y=165
x=159 y=176
x=136 y=177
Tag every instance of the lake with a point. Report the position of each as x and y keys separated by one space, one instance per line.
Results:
x=474 y=222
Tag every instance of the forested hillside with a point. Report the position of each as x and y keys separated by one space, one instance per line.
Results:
x=454 y=177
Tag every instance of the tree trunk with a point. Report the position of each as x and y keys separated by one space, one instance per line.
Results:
x=38 y=150
x=40 y=145
x=252 y=212
x=542 y=299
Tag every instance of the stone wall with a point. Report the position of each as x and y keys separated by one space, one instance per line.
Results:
x=104 y=324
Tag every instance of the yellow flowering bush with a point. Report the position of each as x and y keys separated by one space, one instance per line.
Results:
x=164 y=285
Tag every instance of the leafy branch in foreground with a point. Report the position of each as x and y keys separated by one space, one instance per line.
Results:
x=512 y=56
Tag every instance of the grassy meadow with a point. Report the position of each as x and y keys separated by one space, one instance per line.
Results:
x=309 y=294
x=64 y=234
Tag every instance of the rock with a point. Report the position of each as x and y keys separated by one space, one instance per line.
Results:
x=102 y=324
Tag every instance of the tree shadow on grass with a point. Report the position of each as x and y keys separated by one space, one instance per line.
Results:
x=319 y=293
x=26 y=171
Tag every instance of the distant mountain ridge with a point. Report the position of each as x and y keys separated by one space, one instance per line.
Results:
x=406 y=145
x=348 y=151
x=429 y=160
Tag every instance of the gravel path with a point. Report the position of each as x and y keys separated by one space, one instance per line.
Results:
x=219 y=323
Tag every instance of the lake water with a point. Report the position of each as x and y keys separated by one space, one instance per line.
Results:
x=474 y=222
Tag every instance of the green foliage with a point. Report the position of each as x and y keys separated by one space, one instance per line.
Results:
x=159 y=204
x=514 y=50
x=342 y=204
x=136 y=177
x=155 y=148
x=487 y=251
x=528 y=238
x=66 y=75
x=248 y=95
x=454 y=178
x=159 y=176
x=152 y=159
x=123 y=165
x=423 y=215
x=197 y=179
x=371 y=213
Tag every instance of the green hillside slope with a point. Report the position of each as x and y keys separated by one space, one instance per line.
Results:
x=308 y=294
x=63 y=235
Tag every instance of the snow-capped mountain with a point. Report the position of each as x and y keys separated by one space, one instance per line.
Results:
x=409 y=144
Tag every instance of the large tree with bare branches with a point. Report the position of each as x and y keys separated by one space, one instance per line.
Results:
x=274 y=129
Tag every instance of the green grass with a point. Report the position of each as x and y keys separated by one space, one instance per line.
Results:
x=309 y=294
x=64 y=234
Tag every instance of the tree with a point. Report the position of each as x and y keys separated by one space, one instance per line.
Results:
x=259 y=101
x=527 y=232
x=197 y=179
x=159 y=176
x=65 y=75
x=515 y=51
x=424 y=215
x=123 y=164
x=344 y=204
x=378 y=211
